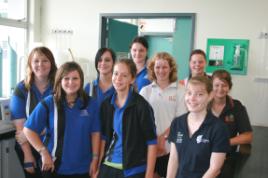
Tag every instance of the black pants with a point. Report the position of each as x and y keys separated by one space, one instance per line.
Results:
x=233 y=165
x=110 y=172
x=161 y=165
x=55 y=175
x=36 y=155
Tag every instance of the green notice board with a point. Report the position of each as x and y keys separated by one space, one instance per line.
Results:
x=228 y=54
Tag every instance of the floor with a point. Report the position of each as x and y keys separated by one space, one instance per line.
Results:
x=256 y=165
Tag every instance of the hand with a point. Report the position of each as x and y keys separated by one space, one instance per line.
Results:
x=20 y=137
x=161 y=143
x=47 y=162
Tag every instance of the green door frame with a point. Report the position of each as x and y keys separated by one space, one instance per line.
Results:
x=104 y=17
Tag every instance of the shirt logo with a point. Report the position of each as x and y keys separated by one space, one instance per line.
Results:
x=200 y=139
x=229 y=118
x=179 y=137
x=172 y=98
x=84 y=112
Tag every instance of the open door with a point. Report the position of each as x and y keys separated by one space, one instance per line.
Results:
x=120 y=35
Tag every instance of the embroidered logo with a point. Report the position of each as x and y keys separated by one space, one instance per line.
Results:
x=179 y=137
x=229 y=118
x=84 y=112
x=200 y=139
x=172 y=98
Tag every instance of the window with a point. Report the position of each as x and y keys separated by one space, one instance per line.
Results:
x=13 y=40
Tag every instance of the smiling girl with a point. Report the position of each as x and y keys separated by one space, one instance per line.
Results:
x=199 y=141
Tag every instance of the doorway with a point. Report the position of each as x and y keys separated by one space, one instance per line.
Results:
x=118 y=30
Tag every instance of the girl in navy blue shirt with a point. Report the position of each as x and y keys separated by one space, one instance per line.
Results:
x=199 y=141
x=71 y=147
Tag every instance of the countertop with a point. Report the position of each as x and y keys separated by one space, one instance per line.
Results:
x=6 y=126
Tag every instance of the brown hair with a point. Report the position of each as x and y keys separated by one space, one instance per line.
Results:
x=130 y=64
x=131 y=67
x=203 y=80
x=171 y=61
x=30 y=74
x=224 y=76
x=198 y=51
x=59 y=93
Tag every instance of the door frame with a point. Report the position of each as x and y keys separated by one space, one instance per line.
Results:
x=105 y=16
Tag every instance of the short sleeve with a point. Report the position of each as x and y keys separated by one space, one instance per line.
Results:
x=18 y=105
x=220 y=141
x=173 y=130
x=242 y=118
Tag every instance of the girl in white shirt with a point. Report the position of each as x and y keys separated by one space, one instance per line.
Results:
x=165 y=95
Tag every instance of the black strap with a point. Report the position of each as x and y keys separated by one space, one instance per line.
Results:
x=47 y=133
x=60 y=132
x=61 y=129
x=33 y=99
x=33 y=102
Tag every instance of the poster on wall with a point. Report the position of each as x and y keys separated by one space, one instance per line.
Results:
x=228 y=54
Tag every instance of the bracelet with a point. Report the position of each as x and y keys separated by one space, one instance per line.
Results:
x=43 y=148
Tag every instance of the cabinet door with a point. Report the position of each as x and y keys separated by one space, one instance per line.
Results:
x=11 y=167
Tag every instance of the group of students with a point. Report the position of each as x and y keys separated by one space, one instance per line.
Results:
x=135 y=120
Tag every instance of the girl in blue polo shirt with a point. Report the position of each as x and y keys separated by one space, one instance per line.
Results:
x=71 y=147
x=128 y=132
x=138 y=49
x=41 y=70
x=102 y=87
x=199 y=140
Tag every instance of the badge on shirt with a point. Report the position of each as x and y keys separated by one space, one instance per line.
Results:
x=84 y=112
x=200 y=139
x=229 y=118
x=179 y=137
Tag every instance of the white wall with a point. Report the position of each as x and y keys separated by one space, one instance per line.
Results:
x=239 y=19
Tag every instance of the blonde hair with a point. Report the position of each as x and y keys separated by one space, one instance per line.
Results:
x=171 y=61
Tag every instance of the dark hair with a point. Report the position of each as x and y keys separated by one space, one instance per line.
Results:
x=59 y=93
x=198 y=51
x=140 y=39
x=224 y=76
x=100 y=52
x=197 y=80
x=130 y=64
x=30 y=74
x=172 y=64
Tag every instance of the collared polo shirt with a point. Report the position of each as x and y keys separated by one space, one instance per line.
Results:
x=79 y=125
x=99 y=95
x=142 y=79
x=18 y=103
x=194 y=152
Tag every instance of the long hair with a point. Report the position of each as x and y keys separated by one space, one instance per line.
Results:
x=172 y=64
x=30 y=74
x=58 y=91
